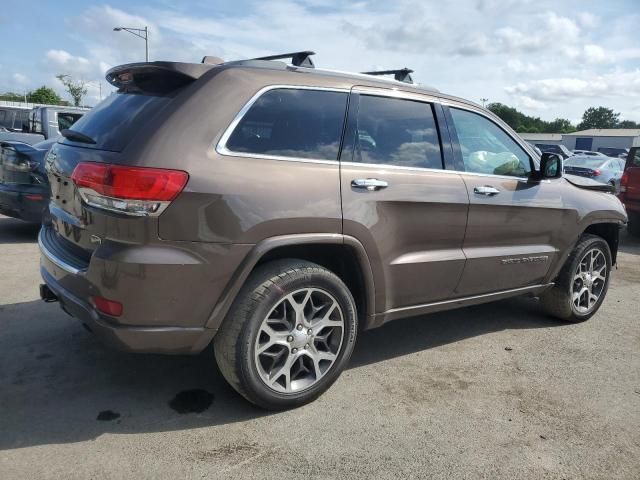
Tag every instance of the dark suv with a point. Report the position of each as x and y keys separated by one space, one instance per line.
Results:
x=277 y=209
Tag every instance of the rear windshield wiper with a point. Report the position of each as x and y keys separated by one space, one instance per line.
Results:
x=77 y=136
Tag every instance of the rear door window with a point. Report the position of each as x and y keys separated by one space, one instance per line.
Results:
x=289 y=122
x=396 y=131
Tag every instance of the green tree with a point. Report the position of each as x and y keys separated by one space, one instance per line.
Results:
x=524 y=123
x=600 y=117
x=12 y=97
x=76 y=88
x=559 y=125
x=44 y=95
x=628 y=124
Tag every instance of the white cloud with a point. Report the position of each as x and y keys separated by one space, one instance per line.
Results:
x=64 y=62
x=623 y=84
x=587 y=20
x=20 y=79
x=518 y=66
x=529 y=103
x=595 y=54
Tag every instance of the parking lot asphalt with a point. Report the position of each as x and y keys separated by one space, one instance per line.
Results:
x=493 y=391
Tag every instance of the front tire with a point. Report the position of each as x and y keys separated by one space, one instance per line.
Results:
x=582 y=283
x=289 y=334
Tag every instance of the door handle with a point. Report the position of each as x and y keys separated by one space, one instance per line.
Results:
x=486 y=190
x=370 y=184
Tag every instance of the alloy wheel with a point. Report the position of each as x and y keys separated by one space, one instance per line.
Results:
x=299 y=340
x=589 y=281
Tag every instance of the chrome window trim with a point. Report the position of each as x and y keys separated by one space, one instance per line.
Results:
x=55 y=260
x=383 y=166
x=222 y=149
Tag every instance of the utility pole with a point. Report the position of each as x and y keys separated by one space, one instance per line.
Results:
x=484 y=101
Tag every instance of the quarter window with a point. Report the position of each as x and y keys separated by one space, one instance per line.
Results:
x=486 y=148
x=292 y=123
x=396 y=132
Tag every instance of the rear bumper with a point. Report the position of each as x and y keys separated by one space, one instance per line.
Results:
x=26 y=202
x=73 y=287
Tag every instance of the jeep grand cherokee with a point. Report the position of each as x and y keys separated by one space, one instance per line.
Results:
x=274 y=210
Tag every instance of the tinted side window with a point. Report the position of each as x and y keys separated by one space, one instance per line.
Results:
x=21 y=120
x=292 y=123
x=396 y=132
x=634 y=160
x=486 y=148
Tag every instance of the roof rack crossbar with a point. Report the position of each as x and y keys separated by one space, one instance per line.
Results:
x=299 y=59
x=401 y=75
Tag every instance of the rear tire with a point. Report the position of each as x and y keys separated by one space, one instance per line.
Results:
x=289 y=334
x=582 y=283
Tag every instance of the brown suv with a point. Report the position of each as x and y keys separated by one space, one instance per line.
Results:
x=275 y=210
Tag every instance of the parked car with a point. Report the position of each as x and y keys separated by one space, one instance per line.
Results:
x=588 y=153
x=602 y=169
x=24 y=186
x=278 y=210
x=630 y=190
x=44 y=123
x=614 y=152
x=559 y=149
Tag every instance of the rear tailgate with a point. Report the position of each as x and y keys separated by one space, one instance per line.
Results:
x=145 y=93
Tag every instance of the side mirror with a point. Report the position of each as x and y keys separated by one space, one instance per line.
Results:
x=551 y=165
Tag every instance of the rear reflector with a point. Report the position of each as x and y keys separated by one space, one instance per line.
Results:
x=35 y=198
x=110 y=307
x=597 y=173
x=130 y=190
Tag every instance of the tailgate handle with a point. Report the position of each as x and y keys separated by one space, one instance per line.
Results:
x=370 y=184
x=486 y=190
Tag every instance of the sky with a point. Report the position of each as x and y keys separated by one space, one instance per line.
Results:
x=547 y=58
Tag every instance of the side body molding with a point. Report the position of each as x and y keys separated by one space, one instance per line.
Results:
x=237 y=281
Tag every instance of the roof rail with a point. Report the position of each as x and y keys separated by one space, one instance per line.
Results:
x=299 y=59
x=401 y=75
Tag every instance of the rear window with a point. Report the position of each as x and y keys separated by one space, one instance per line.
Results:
x=116 y=120
x=292 y=123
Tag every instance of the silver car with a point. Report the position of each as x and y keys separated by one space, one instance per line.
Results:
x=600 y=168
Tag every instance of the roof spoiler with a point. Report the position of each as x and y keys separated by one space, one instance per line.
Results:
x=401 y=75
x=155 y=77
x=298 y=59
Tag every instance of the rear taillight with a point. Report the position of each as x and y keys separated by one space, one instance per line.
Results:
x=597 y=173
x=624 y=181
x=130 y=190
x=110 y=307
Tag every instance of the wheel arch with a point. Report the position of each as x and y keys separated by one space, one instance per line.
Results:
x=342 y=254
x=609 y=232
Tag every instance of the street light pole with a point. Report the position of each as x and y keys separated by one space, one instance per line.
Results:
x=484 y=100
x=138 y=32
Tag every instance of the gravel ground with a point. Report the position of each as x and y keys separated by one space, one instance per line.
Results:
x=494 y=391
